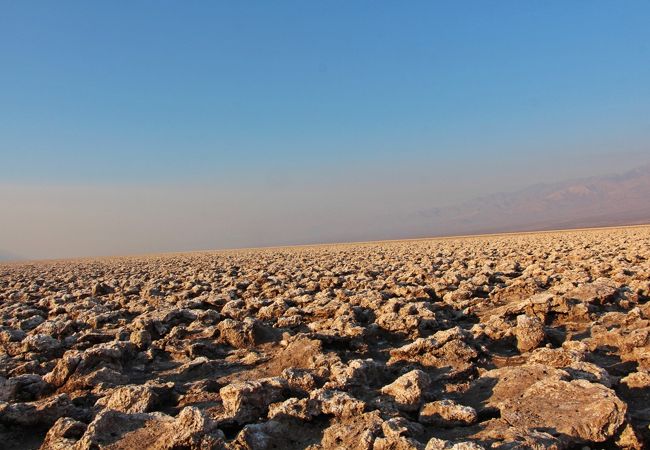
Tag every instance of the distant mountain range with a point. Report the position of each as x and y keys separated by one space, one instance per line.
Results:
x=612 y=200
x=622 y=199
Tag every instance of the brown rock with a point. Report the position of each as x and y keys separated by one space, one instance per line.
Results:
x=141 y=339
x=243 y=334
x=447 y=413
x=130 y=399
x=21 y=388
x=64 y=434
x=502 y=435
x=637 y=380
x=246 y=401
x=337 y=403
x=498 y=385
x=41 y=412
x=578 y=409
x=440 y=444
x=408 y=390
x=356 y=433
x=597 y=292
x=115 y=430
x=444 y=349
x=302 y=409
x=529 y=332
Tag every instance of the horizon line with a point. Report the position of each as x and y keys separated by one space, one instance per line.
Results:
x=322 y=244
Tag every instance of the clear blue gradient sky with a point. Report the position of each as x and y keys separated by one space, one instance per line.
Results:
x=404 y=105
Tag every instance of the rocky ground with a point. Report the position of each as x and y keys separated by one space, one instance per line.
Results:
x=505 y=342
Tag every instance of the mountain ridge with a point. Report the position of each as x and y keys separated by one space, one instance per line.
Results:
x=616 y=199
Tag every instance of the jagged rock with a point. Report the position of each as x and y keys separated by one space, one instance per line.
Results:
x=578 y=408
x=240 y=334
x=191 y=429
x=555 y=357
x=100 y=289
x=130 y=399
x=444 y=349
x=396 y=443
x=273 y=434
x=410 y=318
x=110 y=427
x=246 y=401
x=590 y=372
x=401 y=427
x=629 y=439
x=11 y=335
x=530 y=333
x=357 y=372
x=41 y=343
x=31 y=323
x=637 y=380
x=64 y=368
x=501 y=434
x=597 y=292
x=303 y=409
x=570 y=358
x=499 y=385
x=141 y=339
x=21 y=388
x=337 y=403
x=41 y=412
x=408 y=390
x=357 y=433
x=64 y=434
x=447 y=413
x=340 y=326
x=300 y=380
x=99 y=364
x=440 y=444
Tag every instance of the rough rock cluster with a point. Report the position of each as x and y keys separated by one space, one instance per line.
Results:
x=496 y=342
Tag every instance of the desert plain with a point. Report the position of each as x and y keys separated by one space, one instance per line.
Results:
x=517 y=341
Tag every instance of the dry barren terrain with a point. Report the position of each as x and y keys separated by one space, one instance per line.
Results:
x=495 y=342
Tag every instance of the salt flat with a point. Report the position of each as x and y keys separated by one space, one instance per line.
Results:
x=536 y=340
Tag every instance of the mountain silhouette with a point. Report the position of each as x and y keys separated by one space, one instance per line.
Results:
x=622 y=199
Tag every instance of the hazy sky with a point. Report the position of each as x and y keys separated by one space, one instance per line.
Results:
x=130 y=127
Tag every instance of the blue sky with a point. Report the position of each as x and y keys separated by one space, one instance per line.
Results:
x=489 y=94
